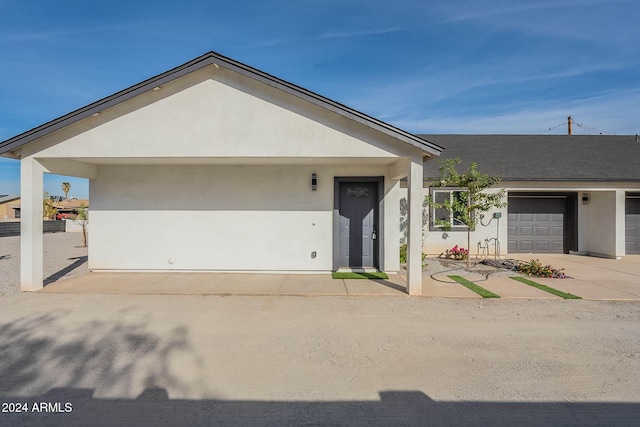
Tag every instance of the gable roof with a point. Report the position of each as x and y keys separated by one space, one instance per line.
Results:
x=212 y=58
x=543 y=157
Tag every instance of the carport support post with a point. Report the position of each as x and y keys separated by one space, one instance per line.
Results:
x=414 y=227
x=620 y=222
x=31 y=215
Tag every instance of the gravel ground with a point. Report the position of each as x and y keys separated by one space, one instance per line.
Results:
x=450 y=267
x=63 y=257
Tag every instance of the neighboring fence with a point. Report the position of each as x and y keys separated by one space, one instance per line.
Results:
x=74 y=226
x=12 y=228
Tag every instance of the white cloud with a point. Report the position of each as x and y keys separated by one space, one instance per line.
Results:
x=24 y=36
x=479 y=10
x=612 y=113
x=604 y=22
x=360 y=33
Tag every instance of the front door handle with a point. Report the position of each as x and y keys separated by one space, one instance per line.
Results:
x=374 y=235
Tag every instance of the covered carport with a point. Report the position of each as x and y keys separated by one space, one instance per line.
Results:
x=216 y=166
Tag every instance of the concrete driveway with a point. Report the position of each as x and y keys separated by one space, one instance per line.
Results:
x=226 y=284
x=594 y=278
x=591 y=278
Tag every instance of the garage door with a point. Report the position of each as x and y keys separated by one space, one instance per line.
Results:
x=536 y=224
x=632 y=225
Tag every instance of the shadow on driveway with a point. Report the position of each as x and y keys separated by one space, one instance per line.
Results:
x=61 y=273
x=77 y=407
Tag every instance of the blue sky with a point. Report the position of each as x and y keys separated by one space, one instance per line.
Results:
x=470 y=66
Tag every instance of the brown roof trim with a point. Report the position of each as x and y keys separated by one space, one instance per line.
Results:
x=222 y=61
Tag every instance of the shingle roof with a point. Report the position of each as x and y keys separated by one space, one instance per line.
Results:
x=543 y=157
x=212 y=58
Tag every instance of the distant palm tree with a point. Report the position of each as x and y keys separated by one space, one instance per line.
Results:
x=66 y=187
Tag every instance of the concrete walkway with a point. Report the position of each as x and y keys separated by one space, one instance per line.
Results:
x=226 y=284
x=592 y=278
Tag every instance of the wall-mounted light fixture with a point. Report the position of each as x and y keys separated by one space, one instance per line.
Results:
x=585 y=198
x=314 y=181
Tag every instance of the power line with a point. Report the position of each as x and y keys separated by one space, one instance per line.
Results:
x=587 y=129
x=552 y=128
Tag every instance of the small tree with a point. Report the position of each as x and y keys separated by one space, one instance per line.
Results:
x=83 y=219
x=66 y=186
x=48 y=210
x=467 y=207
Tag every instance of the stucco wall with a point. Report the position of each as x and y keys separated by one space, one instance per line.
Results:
x=603 y=220
x=216 y=113
x=74 y=226
x=243 y=218
x=7 y=211
x=438 y=241
x=584 y=221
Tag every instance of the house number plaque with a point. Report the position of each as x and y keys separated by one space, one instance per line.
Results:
x=357 y=192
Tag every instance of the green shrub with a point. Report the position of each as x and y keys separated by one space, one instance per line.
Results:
x=403 y=254
x=536 y=269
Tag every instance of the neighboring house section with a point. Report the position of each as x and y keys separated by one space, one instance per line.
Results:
x=68 y=208
x=217 y=166
x=566 y=193
x=9 y=207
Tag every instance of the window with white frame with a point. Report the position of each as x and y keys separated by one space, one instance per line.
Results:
x=440 y=216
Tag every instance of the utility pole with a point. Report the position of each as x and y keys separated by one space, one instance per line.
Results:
x=569 y=122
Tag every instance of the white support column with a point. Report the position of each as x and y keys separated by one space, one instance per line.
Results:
x=620 y=218
x=31 y=247
x=390 y=230
x=414 y=227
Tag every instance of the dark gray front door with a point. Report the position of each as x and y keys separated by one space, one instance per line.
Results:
x=358 y=224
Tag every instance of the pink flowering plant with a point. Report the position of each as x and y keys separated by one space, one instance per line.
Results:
x=537 y=269
x=457 y=253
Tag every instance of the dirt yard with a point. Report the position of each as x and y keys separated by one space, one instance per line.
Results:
x=194 y=360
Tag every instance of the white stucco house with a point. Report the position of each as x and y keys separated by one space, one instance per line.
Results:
x=217 y=166
x=566 y=194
